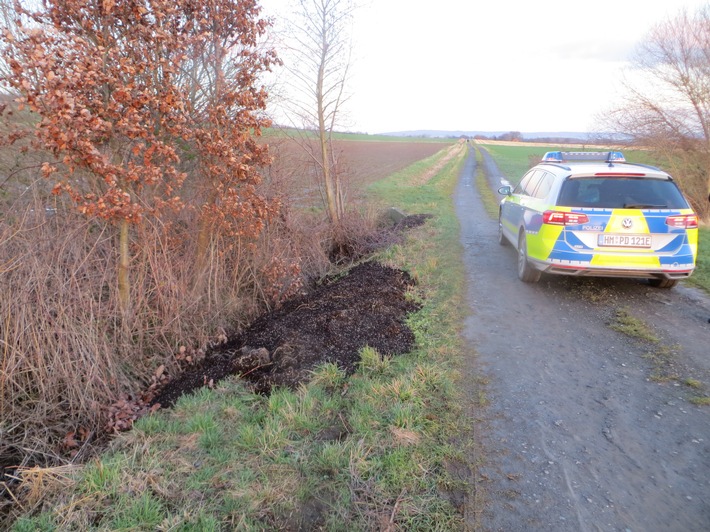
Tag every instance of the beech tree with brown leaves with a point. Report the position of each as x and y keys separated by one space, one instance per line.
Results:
x=114 y=83
x=225 y=62
x=99 y=75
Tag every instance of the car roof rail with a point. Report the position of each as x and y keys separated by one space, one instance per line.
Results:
x=565 y=156
x=558 y=165
x=649 y=166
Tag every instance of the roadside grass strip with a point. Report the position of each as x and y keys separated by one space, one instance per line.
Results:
x=662 y=357
x=701 y=275
x=368 y=452
x=490 y=199
x=514 y=161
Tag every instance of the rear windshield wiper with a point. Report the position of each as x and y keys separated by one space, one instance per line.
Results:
x=644 y=206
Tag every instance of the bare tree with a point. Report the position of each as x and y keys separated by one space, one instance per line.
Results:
x=8 y=25
x=318 y=61
x=667 y=105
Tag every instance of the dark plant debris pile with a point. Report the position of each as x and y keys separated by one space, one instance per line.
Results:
x=332 y=323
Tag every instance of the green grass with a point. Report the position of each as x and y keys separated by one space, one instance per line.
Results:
x=701 y=275
x=514 y=161
x=693 y=383
x=337 y=454
x=662 y=357
x=631 y=326
x=488 y=196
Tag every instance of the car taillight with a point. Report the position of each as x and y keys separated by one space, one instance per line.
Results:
x=683 y=221
x=564 y=218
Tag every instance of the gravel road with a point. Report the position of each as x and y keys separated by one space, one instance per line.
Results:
x=576 y=434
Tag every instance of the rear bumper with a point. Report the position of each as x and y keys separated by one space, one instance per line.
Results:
x=586 y=270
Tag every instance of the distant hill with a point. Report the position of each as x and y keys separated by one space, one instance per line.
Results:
x=531 y=135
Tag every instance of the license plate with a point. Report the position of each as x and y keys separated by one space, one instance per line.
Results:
x=625 y=241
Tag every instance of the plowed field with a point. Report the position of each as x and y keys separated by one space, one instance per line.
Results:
x=359 y=163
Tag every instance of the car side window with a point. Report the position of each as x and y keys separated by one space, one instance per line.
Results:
x=520 y=187
x=543 y=188
x=532 y=184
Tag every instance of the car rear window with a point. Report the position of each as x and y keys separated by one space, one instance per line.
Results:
x=620 y=193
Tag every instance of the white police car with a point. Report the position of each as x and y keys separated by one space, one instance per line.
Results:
x=594 y=214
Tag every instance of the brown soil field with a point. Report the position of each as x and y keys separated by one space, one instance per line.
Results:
x=360 y=163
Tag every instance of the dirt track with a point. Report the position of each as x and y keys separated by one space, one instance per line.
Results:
x=576 y=434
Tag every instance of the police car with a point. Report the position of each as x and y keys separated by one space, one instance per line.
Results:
x=594 y=214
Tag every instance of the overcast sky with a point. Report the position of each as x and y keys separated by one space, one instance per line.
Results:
x=502 y=65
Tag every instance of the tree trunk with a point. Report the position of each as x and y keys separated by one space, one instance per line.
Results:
x=204 y=238
x=330 y=181
x=124 y=283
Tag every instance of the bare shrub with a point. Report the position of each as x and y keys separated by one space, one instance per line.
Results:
x=61 y=360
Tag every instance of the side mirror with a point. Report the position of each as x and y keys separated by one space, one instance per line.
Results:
x=505 y=190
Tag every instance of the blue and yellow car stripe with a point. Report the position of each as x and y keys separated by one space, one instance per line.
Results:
x=565 y=246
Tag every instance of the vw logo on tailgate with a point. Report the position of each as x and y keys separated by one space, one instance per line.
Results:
x=626 y=223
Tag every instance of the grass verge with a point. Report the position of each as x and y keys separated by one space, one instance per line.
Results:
x=662 y=357
x=514 y=161
x=701 y=275
x=361 y=453
x=489 y=198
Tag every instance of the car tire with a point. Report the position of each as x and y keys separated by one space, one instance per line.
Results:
x=501 y=237
x=526 y=273
x=663 y=283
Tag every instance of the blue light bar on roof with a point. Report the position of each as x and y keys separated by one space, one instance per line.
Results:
x=563 y=156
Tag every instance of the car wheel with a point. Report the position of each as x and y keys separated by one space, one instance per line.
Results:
x=501 y=237
x=663 y=283
x=526 y=273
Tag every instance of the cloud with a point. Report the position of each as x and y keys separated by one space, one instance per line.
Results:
x=505 y=65
x=610 y=51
